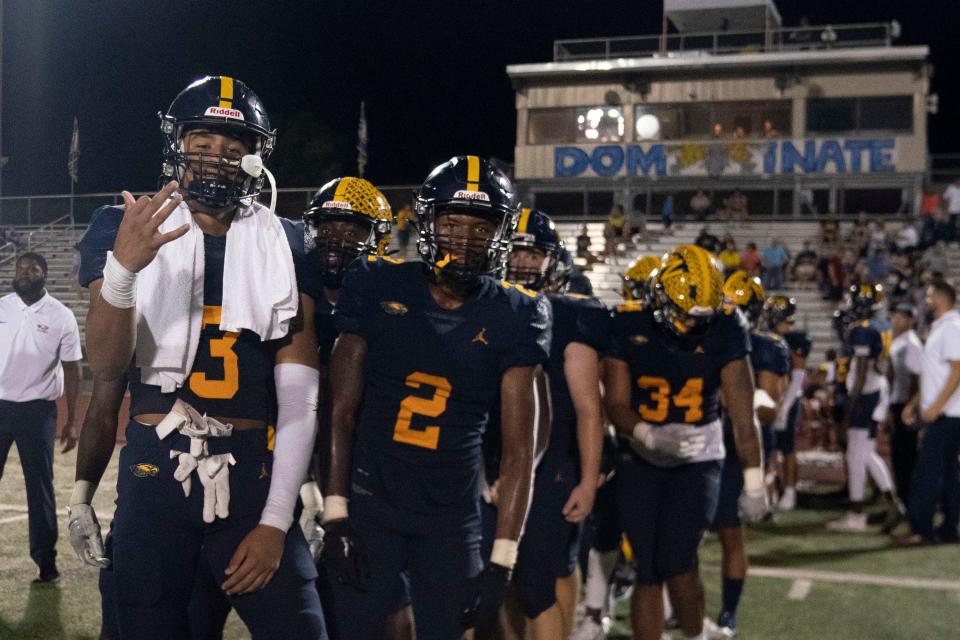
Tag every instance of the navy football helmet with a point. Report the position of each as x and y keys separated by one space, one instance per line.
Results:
x=226 y=106
x=471 y=186
x=535 y=232
x=863 y=300
x=777 y=309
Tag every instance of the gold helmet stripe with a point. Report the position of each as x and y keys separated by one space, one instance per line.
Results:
x=340 y=194
x=226 y=92
x=524 y=219
x=473 y=173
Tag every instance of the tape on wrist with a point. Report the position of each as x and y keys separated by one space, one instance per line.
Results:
x=310 y=496
x=753 y=479
x=762 y=399
x=504 y=552
x=119 y=288
x=82 y=492
x=640 y=431
x=334 y=508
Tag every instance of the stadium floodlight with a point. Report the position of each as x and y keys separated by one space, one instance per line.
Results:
x=648 y=127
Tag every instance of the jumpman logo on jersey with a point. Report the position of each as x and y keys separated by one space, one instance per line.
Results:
x=481 y=337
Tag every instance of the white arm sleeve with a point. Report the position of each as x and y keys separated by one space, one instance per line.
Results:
x=298 y=387
x=797 y=378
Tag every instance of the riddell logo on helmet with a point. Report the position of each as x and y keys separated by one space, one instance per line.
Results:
x=224 y=113
x=337 y=204
x=471 y=195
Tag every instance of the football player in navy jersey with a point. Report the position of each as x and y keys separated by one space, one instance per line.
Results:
x=868 y=343
x=771 y=363
x=423 y=349
x=605 y=530
x=667 y=365
x=568 y=474
x=198 y=489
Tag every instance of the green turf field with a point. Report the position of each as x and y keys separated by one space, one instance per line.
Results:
x=858 y=586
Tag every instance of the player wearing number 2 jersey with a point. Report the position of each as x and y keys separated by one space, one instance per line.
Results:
x=424 y=348
x=667 y=365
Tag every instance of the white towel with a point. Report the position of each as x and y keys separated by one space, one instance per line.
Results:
x=259 y=292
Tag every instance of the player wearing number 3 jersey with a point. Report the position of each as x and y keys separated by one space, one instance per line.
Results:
x=668 y=363
x=424 y=349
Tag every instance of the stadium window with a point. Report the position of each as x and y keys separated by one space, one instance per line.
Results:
x=600 y=124
x=858 y=115
x=560 y=203
x=599 y=203
x=657 y=123
x=550 y=126
x=872 y=200
x=784 y=202
x=749 y=120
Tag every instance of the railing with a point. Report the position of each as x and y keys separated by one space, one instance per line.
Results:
x=42 y=210
x=10 y=250
x=40 y=241
x=880 y=34
x=944 y=167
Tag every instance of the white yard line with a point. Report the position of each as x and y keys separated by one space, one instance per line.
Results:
x=799 y=590
x=14 y=518
x=22 y=508
x=842 y=577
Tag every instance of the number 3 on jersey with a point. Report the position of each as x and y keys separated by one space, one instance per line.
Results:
x=429 y=407
x=690 y=398
x=222 y=348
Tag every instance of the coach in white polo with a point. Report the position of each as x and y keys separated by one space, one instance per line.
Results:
x=936 y=477
x=39 y=362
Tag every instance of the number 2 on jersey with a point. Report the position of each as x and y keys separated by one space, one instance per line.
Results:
x=429 y=407
x=690 y=398
x=222 y=348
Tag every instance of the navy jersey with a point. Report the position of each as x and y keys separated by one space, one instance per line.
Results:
x=769 y=352
x=431 y=374
x=232 y=374
x=576 y=318
x=674 y=384
x=870 y=339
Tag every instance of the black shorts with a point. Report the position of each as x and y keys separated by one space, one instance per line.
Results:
x=786 y=439
x=665 y=512
x=731 y=486
x=862 y=415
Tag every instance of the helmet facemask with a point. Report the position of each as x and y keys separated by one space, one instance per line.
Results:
x=520 y=270
x=462 y=259
x=688 y=326
x=212 y=179
x=337 y=240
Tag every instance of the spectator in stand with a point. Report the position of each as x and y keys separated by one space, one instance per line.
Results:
x=405 y=218
x=805 y=264
x=878 y=237
x=737 y=205
x=906 y=353
x=930 y=201
x=943 y=230
x=583 y=246
x=667 y=213
x=936 y=477
x=829 y=231
x=729 y=257
x=900 y=280
x=907 y=239
x=637 y=226
x=934 y=259
x=833 y=275
x=700 y=205
x=750 y=260
x=951 y=197
x=775 y=259
x=769 y=130
x=878 y=266
x=615 y=230
x=859 y=237
x=15 y=237
x=708 y=241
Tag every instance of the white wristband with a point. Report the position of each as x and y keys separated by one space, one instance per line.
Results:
x=504 y=552
x=753 y=479
x=119 y=288
x=641 y=431
x=82 y=492
x=763 y=399
x=334 y=508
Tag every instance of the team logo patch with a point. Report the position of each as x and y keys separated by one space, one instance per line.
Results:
x=481 y=337
x=42 y=328
x=394 y=308
x=144 y=470
x=638 y=340
x=471 y=195
x=337 y=204
x=223 y=112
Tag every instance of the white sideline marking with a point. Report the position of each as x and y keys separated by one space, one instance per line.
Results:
x=856 y=578
x=22 y=508
x=799 y=590
x=14 y=519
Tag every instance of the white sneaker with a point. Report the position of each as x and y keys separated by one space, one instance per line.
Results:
x=788 y=501
x=589 y=629
x=851 y=523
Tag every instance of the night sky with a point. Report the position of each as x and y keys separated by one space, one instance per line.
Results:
x=432 y=75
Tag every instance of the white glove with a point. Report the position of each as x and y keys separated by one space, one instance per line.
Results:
x=682 y=444
x=214 y=473
x=85 y=536
x=313 y=532
x=182 y=473
x=754 y=503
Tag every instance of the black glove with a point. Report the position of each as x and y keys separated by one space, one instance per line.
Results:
x=345 y=555
x=481 y=610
